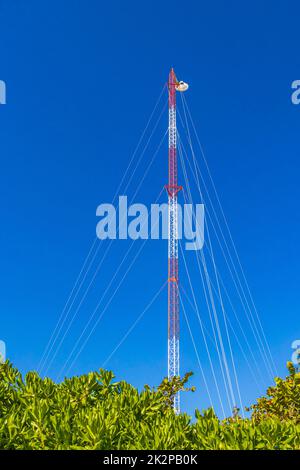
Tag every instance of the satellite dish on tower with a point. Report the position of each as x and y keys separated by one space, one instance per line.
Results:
x=181 y=86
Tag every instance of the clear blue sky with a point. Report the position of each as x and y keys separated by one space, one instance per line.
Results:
x=82 y=78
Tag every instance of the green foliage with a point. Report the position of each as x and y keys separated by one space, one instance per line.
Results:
x=282 y=401
x=95 y=412
x=169 y=388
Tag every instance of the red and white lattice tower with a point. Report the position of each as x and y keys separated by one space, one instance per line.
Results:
x=173 y=189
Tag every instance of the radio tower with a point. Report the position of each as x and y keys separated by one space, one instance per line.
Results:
x=173 y=189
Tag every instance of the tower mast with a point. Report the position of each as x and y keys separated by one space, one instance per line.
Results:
x=173 y=293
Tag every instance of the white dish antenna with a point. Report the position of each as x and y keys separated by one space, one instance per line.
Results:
x=181 y=86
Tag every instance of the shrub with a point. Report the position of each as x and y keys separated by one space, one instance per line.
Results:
x=95 y=412
x=282 y=401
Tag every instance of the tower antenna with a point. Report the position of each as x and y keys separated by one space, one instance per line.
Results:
x=172 y=190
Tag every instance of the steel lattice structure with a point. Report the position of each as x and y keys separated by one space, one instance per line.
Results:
x=173 y=293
